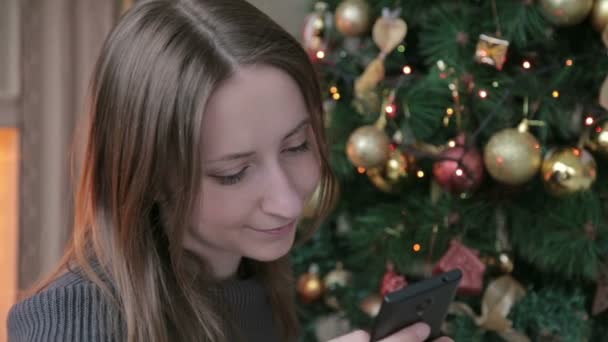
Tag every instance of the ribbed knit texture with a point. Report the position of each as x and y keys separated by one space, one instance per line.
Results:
x=72 y=309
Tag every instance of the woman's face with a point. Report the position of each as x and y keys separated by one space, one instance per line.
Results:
x=259 y=169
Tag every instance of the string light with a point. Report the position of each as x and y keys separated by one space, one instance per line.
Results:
x=361 y=169
x=449 y=111
x=390 y=109
x=483 y=93
x=576 y=152
x=333 y=89
x=526 y=65
x=401 y=48
x=555 y=94
x=320 y=54
x=495 y=84
x=416 y=247
x=589 y=121
x=336 y=96
x=407 y=70
x=569 y=62
x=451 y=143
x=420 y=174
x=459 y=172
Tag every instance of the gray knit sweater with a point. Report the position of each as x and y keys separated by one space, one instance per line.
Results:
x=73 y=309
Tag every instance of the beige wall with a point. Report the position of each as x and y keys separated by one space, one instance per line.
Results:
x=288 y=13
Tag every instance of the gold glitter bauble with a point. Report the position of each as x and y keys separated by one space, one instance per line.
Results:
x=512 y=157
x=599 y=15
x=598 y=138
x=568 y=170
x=393 y=176
x=368 y=147
x=566 y=12
x=339 y=277
x=310 y=287
x=352 y=17
x=505 y=261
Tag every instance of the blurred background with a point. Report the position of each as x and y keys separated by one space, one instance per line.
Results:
x=47 y=52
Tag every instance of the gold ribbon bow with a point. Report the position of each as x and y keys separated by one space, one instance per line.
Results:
x=498 y=299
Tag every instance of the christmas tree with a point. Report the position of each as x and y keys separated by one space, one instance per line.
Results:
x=467 y=134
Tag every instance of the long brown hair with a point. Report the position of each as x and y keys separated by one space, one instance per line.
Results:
x=142 y=162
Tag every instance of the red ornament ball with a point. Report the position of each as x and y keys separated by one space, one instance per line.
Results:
x=459 y=169
x=392 y=281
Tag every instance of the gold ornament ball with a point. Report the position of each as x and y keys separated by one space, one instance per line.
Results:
x=310 y=287
x=352 y=17
x=566 y=12
x=339 y=277
x=512 y=157
x=506 y=263
x=599 y=15
x=371 y=304
x=395 y=173
x=368 y=147
x=598 y=139
x=568 y=170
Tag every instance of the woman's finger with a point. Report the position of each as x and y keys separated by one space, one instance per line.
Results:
x=355 y=336
x=414 y=333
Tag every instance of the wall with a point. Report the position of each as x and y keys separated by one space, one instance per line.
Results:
x=288 y=13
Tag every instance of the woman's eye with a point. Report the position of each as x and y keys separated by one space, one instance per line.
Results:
x=231 y=179
x=300 y=148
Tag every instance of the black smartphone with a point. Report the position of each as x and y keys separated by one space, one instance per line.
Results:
x=425 y=301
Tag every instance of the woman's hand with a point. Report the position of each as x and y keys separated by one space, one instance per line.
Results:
x=414 y=333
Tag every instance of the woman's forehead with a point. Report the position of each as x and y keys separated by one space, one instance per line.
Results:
x=258 y=104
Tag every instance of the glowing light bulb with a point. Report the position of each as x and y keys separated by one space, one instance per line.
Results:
x=407 y=70
x=320 y=54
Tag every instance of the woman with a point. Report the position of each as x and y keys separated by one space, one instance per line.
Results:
x=205 y=142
